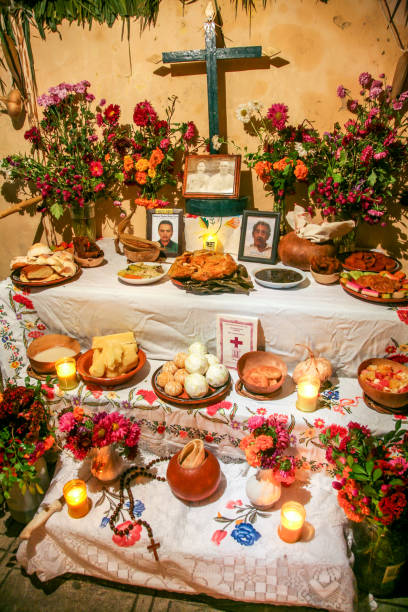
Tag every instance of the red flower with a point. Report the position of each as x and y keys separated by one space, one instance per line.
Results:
x=95 y=390
x=35 y=334
x=20 y=299
x=112 y=113
x=403 y=314
x=130 y=538
x=218 y=536
x=41 y=326
x=49 y=391
x=144 y=114
x=149 y=396
x=233 y=504
x=399 y=358
x=96 y=168
x=34 y=136
x=211 y=410
x=183 y=433
x=190 y=131
x=161 y=429
x=208 y=438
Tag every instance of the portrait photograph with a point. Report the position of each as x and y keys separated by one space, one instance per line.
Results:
x=166 y=229
x=259 y=236
x=212 y=176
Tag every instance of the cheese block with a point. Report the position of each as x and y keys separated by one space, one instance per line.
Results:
x=98 y=342
x=113 y=355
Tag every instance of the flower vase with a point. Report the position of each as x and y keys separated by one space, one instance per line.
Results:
x=23 y=506
x=263 y=490
x=379 y=557
x=83 y=220
x=106 y=463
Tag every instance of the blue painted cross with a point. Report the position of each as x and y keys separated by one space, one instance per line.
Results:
x=211 y=54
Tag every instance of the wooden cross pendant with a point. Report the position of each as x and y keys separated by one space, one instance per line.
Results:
x=153 y=548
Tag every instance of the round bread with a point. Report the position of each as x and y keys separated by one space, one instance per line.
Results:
x=169 y=366
x=173 y=388
x=18 y=262
x=37 y=272
x=38 y=249
x=163 y=378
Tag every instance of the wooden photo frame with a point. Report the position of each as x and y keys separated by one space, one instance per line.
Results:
x=212 y=176
x=259 y=236
x=165 y=226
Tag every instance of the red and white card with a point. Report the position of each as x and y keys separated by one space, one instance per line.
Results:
x=236 y=335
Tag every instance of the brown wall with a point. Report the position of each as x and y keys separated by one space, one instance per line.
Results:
x=319 y=46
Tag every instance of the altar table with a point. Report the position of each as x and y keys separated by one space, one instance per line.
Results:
x=166 y=320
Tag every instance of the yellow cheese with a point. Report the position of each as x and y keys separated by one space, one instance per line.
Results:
x=124 y=338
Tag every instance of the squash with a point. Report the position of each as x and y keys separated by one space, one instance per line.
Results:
x=313 y=366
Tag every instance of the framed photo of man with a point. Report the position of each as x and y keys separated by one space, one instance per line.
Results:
x=165 y=226
x=211 y=176
x=259 y=236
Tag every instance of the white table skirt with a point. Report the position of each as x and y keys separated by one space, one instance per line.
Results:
x=165 y=319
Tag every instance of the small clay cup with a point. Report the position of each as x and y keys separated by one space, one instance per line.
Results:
x=194 y=484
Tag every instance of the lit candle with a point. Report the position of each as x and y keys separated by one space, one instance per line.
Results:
x=210 y=242
x=307 y=393
x=76 y=497
x=66 y=372
x=292 y=519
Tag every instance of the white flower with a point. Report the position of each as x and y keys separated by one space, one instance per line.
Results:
x=300 y=149
x=244 y=112
x=216 y=143
x=257 y=106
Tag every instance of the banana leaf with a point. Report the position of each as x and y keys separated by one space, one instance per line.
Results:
x=239 y=282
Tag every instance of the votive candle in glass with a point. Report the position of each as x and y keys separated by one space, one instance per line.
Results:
x=292 y=520
x=307 y=393
x=210 y=242
x=66 y=372
x=76 y=497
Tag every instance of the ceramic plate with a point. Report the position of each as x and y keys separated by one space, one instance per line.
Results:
x=15 y=277
x=84 y=362
x=269 y=277
x=214 y=395
x=378 y=300
x=146 y=281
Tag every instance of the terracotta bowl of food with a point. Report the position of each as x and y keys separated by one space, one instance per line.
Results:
x=194 y=484
x=325 y=279
x=380 y=371
x=44 y=351
x=85 y=361
x=261 y=372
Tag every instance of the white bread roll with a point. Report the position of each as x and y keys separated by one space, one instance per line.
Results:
x=38 y=249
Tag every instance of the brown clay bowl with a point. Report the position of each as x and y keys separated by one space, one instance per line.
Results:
x=50 y=341
x=85 y=361
x=89 y=262
x=325 y=279
x=386 y=398
x=194 y=484
x=255 y=359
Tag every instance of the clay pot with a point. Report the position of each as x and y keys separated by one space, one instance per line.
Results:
x=194 y=484
x=297 y=252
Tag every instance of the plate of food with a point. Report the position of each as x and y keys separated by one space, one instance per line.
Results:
x=380 y=287
x=369 y=261
x=276 y=277
x=205 y=273
x=40 y=276
x=143 y=273
x=192 y=379
x=87 y=253
x=41 y=267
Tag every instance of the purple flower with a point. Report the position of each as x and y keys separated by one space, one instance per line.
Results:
x=341 y=92
x=102 y=102
x=352 y=105
x=365 y=79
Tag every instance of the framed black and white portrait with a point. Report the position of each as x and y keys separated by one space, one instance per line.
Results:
x=259 y=236
x=166 y=227
x=212 y=176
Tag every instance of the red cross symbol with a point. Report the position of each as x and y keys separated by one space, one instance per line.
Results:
x=236 y=342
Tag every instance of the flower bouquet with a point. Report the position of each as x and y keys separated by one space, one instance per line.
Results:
x=359 y=166
x=371 y=478
x=285 y=153
x=25 y=435
x=74 y=155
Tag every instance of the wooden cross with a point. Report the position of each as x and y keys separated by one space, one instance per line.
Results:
x=153 y=548
x=211 y=54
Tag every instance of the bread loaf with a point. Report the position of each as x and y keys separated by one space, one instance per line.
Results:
x=37 y=272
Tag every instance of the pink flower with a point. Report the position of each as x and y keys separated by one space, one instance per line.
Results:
x=255 y=421
x=144 y=114
x=352 y=105
x=233 y=504
x=397 y=104
x=118 y=425
x=49 y=391
x=341 y=92
x=366 y=155
x=130 y=538
x=190 y=131
x=66 y=421
x=211 y=410
x=380 y=155
x=99 y=187
x=133 y=436
x=96 y=168
x=278 y=114
x=164 y=144
x=149 y=396
x=183 y=433
x=365 y=79
x=218 y=536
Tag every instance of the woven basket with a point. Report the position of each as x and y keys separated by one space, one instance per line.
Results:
x=135 y=248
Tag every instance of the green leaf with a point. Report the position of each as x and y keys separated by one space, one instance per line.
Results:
x=377 y=474
x=57 y=210
x=350 y=461
x=396 y=482
x=358 y=469
x=39 y=489
x=372 y=178
x=369 y=466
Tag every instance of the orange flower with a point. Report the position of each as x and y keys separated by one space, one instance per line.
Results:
x=78 y=412
x=306 y=465
x=264 y=442
x=145 y=202
x=263 y=170
x=301 y=171
x=107 y=157
x=151 y=172
x=156 y=158
x=252 y=457
x=127 y=163
x=281 y=164
x=142 y=164
x=141 y=177
x=48 y=442
x=245 y=442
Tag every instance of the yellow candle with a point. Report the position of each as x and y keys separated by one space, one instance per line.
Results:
x=292 y=520
x=307 y=393
x=210 y=242
x=66 y=372
x=76 y=497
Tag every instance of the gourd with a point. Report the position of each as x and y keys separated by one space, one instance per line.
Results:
x=13 y=102
x=313 y=366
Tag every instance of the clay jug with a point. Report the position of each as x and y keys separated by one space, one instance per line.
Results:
x=297 y=252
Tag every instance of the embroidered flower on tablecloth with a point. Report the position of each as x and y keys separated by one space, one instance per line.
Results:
x=403 y=315
x=161 y=429
x=138 y=507
x=245 y=534
x=261 y=411
x=95 y=390
x=35 y=334
x=233 y=504
x=130 y=538
x=319 y=423
x=104 y=521
x=183 y=433
x=21 y=299
x=211 y=410
x=218 y=536
x=147 y=395
x=209 y=438
x=390 y=349
x=41 y=326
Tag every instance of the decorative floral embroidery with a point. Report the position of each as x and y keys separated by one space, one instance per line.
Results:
x=148 y=396
x=245 y=534
x=397 y=352
x=127 y=539
x=243 y=531
x=211 y=410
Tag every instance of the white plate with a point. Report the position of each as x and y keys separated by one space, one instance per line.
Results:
x=146 y=281
x=275 y=284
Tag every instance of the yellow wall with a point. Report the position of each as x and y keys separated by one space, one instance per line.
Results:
x=320 y=46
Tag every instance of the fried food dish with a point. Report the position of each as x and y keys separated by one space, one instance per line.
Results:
x=379 y=283
x=202 y=266
x=370 y=261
